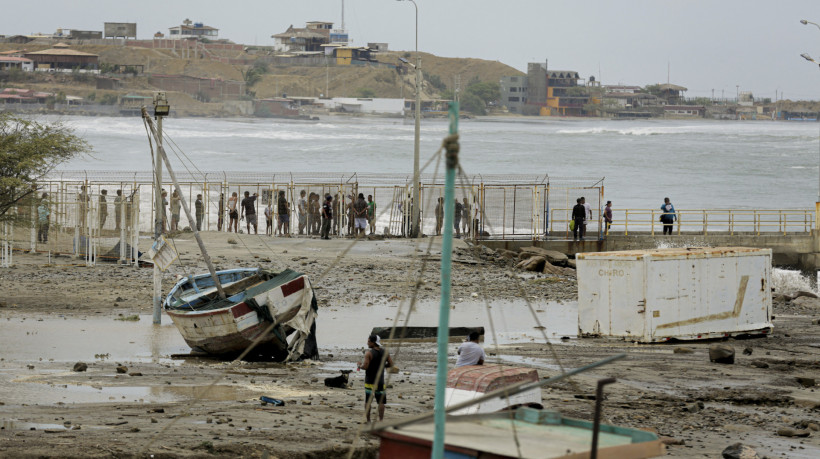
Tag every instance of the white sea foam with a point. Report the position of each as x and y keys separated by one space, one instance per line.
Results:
x=787 y=281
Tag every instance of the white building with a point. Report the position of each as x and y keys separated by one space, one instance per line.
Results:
x=373 y=106
x=13 y=62
x=190 y=29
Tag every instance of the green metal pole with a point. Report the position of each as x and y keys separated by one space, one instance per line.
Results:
x=443 y=338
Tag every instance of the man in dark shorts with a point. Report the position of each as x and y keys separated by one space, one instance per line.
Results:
x=284 y=215
x=374 y=375
x=327 y=216
x=249 y=211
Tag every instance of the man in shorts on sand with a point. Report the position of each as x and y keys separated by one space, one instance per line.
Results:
x=374 y=375
x=360 y=215
x=249 y=211
x=233 y=213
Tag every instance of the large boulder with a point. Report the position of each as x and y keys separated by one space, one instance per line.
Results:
x=552 y=269
x=739 y=451
x=722 y=353
x=552 y=256
x=534 y=263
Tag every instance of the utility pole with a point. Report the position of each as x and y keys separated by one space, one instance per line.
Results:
x=161 y=109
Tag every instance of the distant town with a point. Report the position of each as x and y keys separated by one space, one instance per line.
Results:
x=315 y=70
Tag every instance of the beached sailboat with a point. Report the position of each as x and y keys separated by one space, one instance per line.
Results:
x=246 y=312
x=277 y=311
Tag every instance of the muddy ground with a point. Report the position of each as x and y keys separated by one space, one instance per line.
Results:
x=159 y=405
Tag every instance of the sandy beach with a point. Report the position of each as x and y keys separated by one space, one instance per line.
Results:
x=166 y=405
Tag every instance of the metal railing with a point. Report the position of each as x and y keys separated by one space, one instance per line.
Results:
x=699 y=221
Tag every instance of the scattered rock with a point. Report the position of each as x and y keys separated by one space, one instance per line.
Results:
x=693 y=407
x=806 y=301
x=739 y=451
x=789 y=432
x=552 y=256
x=80 y=366
x=805 y=381
x=122 y=369
x=683 y=350
x=135 y=373
x=535 y=263
x=669 y=441
x=722 y=353
x=747 y=350
x=759 y=364
x=571 y=264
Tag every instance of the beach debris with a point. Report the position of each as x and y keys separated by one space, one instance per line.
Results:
x=551 y=256
x=722 y=353
x=122 y=369
x=805 y=381
x=739 y=451
x=747 y=350
x=340 y=381
x=759 y=364
x=269 y=401
x=789 y=432
x=683 y=350
x=80 y=366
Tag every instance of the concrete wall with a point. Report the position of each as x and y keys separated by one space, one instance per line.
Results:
x=799 y=250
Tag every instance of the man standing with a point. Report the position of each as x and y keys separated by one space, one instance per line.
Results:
x=360 y=216
x=668 y=216
x=283 y=209
x=103 y=208
x=371 y=213
x=176 y=207
x=118 y=201
x=608 y=216
x=249 y=211
x=164 y=196
x=233 y=213
x=439 y=215
x=374 y=375
x=199 y=209
x=327 y=216
x=336 y=215
x=269 y=219
x=302 y=208
x=588 y=213
x=457 y=218
x=465 y=218
x=220 y=219
x=470 y=352
x=579 y=215
x=43 y=219
x=350 y=216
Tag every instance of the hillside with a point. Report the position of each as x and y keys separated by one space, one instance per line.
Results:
x=336 y=81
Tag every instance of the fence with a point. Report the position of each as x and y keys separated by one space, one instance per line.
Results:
x=496 y=207
x=700 y=221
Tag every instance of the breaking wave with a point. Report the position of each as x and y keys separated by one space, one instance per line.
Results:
x=787 y=281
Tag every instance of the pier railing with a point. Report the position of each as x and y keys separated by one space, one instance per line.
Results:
x=697 y=221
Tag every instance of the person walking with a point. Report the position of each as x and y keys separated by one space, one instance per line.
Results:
x=283 y=209
x=668 y=216
x=371 y=213
x=608 y=216
x=199 y=210
x=327 y=216
x=579 y=214
x=43 y=219
x=470 y=352
x=374 y=375
x=302 y=208
x=249 y=211
x=233 y=214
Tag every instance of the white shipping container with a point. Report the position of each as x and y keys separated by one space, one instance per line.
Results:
x=681 y=293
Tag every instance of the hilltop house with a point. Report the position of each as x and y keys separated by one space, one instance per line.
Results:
x=190 y=29
x=62 y=59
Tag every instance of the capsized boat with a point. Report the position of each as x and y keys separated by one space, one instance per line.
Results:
x=276 y=309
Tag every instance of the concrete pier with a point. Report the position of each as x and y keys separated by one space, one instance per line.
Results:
x=797 y=250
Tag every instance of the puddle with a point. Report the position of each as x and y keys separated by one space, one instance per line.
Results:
x=48 y=394
x=92 y=339
x=513 y=322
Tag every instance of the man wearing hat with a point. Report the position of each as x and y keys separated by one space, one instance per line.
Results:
x=327 y=216
x=374 y=375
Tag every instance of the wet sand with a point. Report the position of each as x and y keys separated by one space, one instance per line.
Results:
x=54 y=316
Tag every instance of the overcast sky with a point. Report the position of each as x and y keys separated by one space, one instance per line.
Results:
x=708 y=45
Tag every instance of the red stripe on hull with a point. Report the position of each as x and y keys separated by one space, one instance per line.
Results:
x=293 y=286
x=240 y=309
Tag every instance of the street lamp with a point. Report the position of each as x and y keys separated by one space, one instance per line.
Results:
x=416 y=205
x=809 y=58
x=161 y=109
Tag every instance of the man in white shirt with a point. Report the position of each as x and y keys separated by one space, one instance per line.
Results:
x=589 y=213
x=470 y=353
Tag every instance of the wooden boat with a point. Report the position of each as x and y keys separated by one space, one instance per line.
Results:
x=471 y=381
x=275 y=310
x=525 y=433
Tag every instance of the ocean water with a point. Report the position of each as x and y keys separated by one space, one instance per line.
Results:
x=698 y=164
